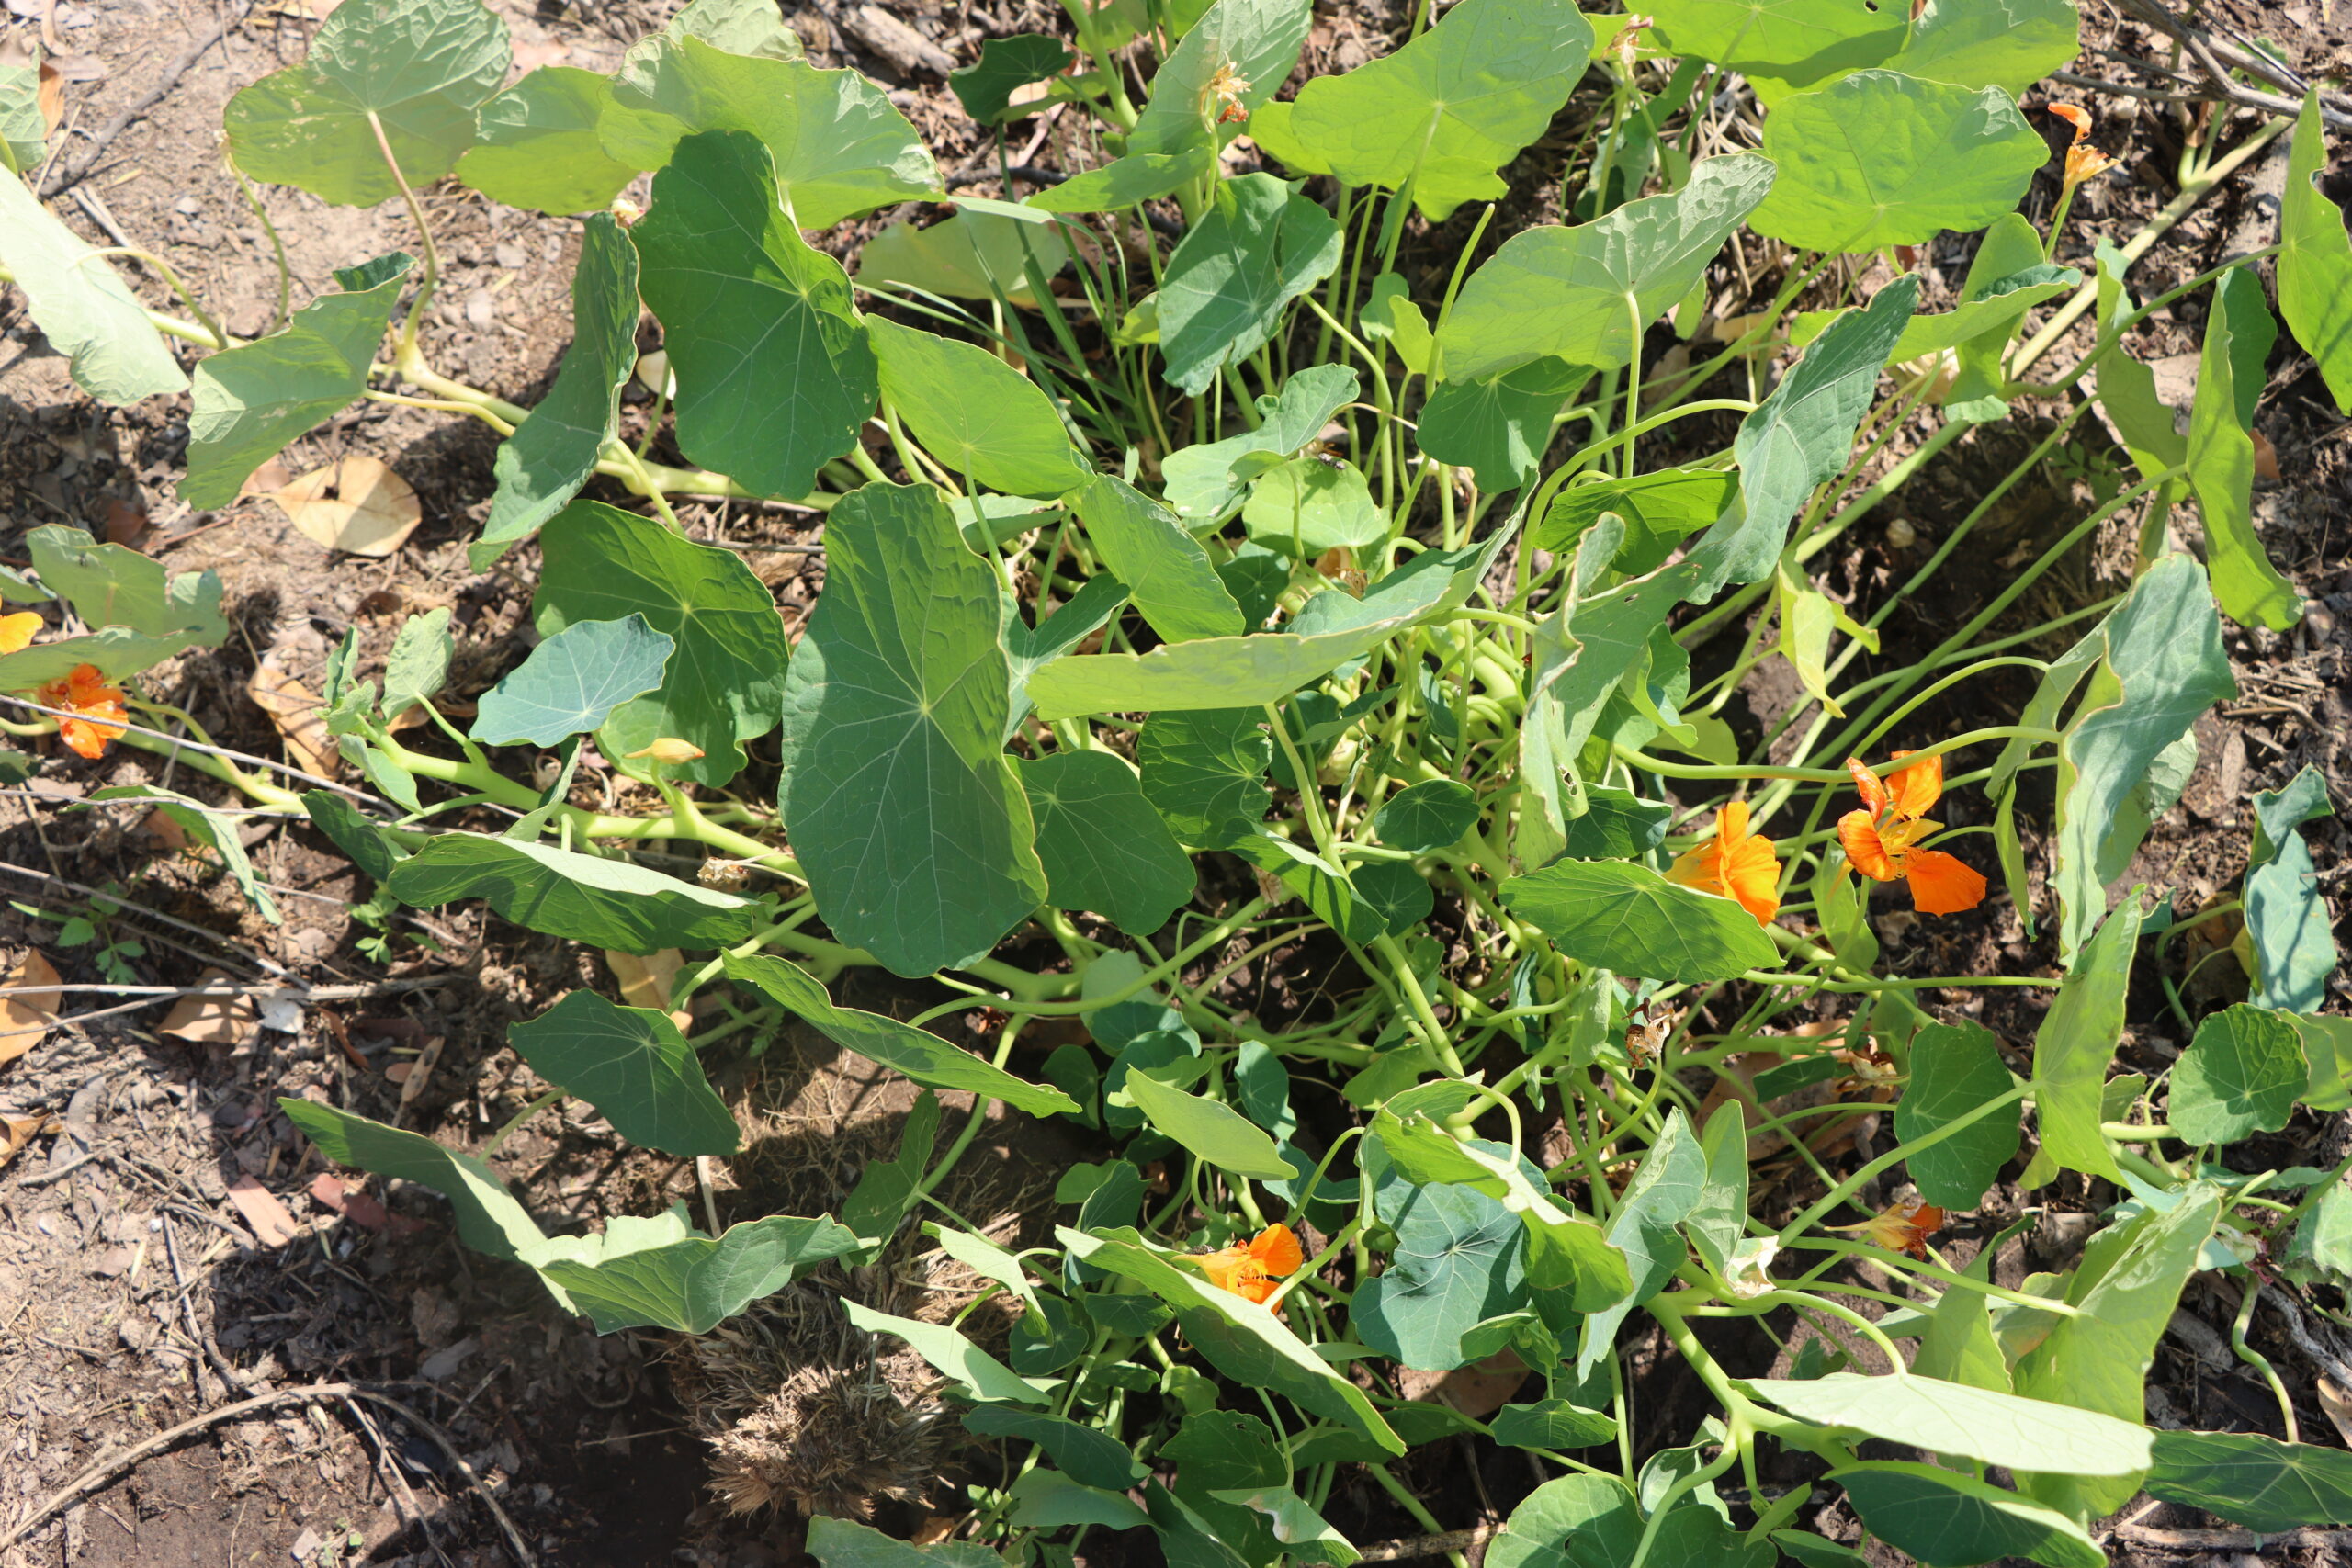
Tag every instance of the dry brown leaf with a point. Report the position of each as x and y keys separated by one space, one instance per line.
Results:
x=51 y=97
x=126 y=522
x=1476 y=1390
x=26 y=1016
x=294 y=708
x=646 y=982
x=357 y=506
x=2338 y=1405
x=2266 y=459
x=272 y=1226
x=272 y=475
x=16 y=1132
x=226 y=1018
x=168 y=834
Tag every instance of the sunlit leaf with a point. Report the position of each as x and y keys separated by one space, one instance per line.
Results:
x=841 y=1543
x=1659 y=509
x=1976 y=1423
x=662 y=1273
x=542 y=143
x=418 y=69
x=1260 y=245
x=720 y=687
x=2287 y=921
x=1786 y=42
x=1593 y=1515
x=2220 y=475
x=2077 y=1041
x=2315 y=259
x=1253 y=41
x=924 y=1057
x=915 y=833
x=1123 y=182
x=1460 y=1259
x=1499 y=428
x=81 y=305
x=572 y=683
x=2008 y=44
x=984 y=1377
x=1207 y=1129
x=212 y=829
x=251 y=399
x=1203 y=482
x=544 y=464
x=1630 y=921
x=774 y=374
x=979 y=417
x=1451 y=107
x=1584 y=295
x=1800 y=437
x=584 y=898
x=986 y=89
x=1306 y=507
x=968 y=256
x=1166 y=571
x=1937 y=156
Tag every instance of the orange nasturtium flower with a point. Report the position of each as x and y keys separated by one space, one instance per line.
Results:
x=1734 y=863
x=1901 y=1227
x=17 y=631
x=99 y=712
x=1879 y=839
x=1254 y=1270
x=2084 y=161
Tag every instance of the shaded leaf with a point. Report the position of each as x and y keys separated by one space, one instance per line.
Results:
x=634 y=1067
x=489 y=1219
x=2077 y=1041
x=1948 y=1520
x=1204 y=771
x=1459 y=1260
x=986 y=89
x=214 y=828
x=2287 y=921
x=2253 y=1481
x=1432 y=815
x=984 y=1377
x=605 y=903
x=970 y=256
x=662 y=1273
x=2241 y=1075
x=1203 y=482
x=924 y=1057
x=1955 y=1068
x=2220 y=474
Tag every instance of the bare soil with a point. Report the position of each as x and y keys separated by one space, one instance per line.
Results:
x=137 y=1293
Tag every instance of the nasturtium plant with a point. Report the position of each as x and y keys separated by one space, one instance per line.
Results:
x=1213 y=590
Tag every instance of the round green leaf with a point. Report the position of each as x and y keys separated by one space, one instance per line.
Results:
x=419 y=67
x=912 y=829
x=1101 y=844
x=1460 y=1259
x=975 y=413
x=542 y=143
x=1432 y=815
x=1630 y=921
x=1955 y=1068
x=1204 y=771
x=1880 y=158
x=2254 y=1481
x=572 y=681
x=986 y=89
x=2240 y=1075
x=634 y=1067
x=1307 y=506
x=1396 y=894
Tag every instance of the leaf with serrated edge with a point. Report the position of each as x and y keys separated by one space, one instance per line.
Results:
x=912 y=828
x=924 y=1057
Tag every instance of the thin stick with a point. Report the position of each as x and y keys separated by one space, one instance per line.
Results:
x=105 y=1471
x=1427 y=1545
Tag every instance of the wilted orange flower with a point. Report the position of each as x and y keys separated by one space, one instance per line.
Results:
x=1879 y=839
x=2084 y=161
x=99 y=706
x=1900 y=1227
x=1226 y=89
x=1253 y=1271
x=1734 y=863
x=17 y=631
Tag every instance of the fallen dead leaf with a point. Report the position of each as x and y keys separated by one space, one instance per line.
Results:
x=51 y=97
x=167 y=834
x=25 y=1016
x=16 y=1132
x=76 y=67
x=357 y=506
x=294 y=708
x=271 y=476
x=356 y=1203
x=126 y=522
x=226 y=1018
x=1476 y=1390
x=2266 y=459
x=2338 y=1405
x=646 y=982
x=272 y=1226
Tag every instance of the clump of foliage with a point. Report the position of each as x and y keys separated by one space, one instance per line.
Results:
x=1199 y=586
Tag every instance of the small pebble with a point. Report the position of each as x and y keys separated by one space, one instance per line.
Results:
x=510 y=255
x=481 y=310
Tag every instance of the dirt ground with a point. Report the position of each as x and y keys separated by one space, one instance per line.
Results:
x=170 y=1249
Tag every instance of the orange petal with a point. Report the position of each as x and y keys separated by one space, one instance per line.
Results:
x=1752 y=874
x=1872 y=788
x=2073 y=115
x=1731 y=823
x=1857 y=833
x=1918 y=787
x=1221 y=1266
x=17 y=631
x=1698 y=867
x=1277 y=1250
x=1941 y=884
